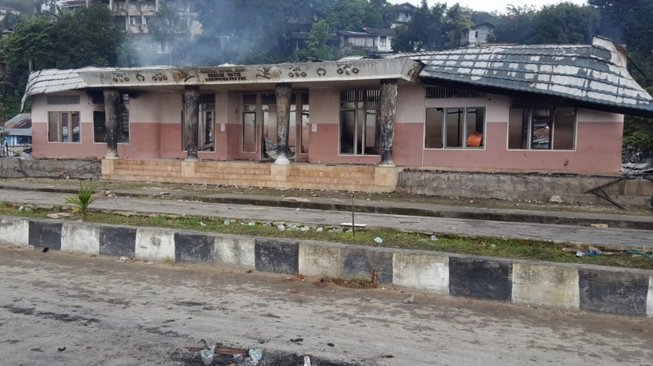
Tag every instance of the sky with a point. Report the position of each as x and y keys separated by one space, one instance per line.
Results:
x=492 y=5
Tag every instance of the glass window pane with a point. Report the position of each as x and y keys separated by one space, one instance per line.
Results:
x=434 y=126
x=371 y=133
x=541 y=129
x=99 y=126
x=249 y=132
x=347 y=127
x=475 y=127
x=564 y=128
x=518 y=128
x=53 y=127
x=270 y=128
x=305 y=128
x=455 y=125
x=75 y=126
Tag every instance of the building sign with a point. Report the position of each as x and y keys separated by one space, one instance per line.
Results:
x=224 y=74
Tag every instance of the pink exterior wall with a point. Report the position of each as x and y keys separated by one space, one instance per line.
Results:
x=155 y=132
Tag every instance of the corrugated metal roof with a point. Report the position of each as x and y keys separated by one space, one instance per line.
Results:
x=595 y=74
x=21 y=120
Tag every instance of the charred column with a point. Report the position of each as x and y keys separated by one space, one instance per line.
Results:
x=112 y=100
x=191 y=122
x=282 y=92
x=388 y=113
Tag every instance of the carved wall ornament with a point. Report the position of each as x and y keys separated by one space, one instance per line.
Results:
x=159 y=76
x=120 y=78
x=296 y=72
x=347 y=69
x=321 y=71
x=140 y=77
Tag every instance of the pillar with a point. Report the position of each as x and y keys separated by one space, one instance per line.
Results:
x=282 y=92
x=388 y=113
x=112 y=100
x=191 y=115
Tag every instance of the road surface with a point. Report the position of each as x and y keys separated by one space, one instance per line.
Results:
x=106 y=312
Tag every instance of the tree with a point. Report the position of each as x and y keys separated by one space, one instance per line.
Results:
x=566 y=23
x=426 y=30
x=316 y=46
x=60 y=41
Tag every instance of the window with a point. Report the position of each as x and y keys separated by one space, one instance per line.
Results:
x=100 y=123
x=443 y=92
x=62 y=99
x=454 y=128
x=99 y=127
x=382 y=41
x=249 y=123
x=360 y=130
x=63 y=127
x=298 y=128
x=206 y=128
x=542 y=128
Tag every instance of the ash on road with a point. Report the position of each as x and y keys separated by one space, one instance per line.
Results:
x=105 y=312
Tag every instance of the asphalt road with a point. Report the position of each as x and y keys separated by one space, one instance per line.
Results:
x=105 y=312
x=559 y=233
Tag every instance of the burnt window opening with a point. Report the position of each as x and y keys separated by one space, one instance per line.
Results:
x=100 y=122
x=445 y=92
x=206 y=120
x=299 y=123
x=62 y=99
x=205 y=123
x=64 y=127
x=360 y=130
x=544 y=127
x=250 y=123
x=459 y=128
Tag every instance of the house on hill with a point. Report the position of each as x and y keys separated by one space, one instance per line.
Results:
x=348 y=124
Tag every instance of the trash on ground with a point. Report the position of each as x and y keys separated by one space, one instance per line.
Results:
x=226 y=222
x=307 y=361
x=409 y=300
x=202 y=224
x=378 y=240
x=59 y=215
x=358 y=226
x=434 y=237
x=281 y=227
x=599 y=226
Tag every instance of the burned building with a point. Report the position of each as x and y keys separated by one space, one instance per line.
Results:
x=350 y=124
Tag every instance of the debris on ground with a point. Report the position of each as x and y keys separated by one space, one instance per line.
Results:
x=409 y=300
x=599 y=226
x=434 y=237
x=378 y=240
x=299 y=278
x=555 y=199
x=59 y=215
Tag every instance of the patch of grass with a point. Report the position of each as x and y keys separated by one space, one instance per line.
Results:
x=482 y=246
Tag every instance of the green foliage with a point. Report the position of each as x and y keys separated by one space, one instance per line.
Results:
x=84 y=198
x=64 y=40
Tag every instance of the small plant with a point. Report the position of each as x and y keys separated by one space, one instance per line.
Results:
x=83 y=199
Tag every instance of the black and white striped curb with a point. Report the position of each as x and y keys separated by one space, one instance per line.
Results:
x=591 y=288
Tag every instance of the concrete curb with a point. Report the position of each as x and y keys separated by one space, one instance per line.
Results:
x=391 y=208
x=620 y=291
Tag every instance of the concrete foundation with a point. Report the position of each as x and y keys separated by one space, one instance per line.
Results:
x=531 y=187
x=49 y=168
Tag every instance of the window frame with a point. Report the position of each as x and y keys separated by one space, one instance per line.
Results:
x=365 y=110
x=60 y=126
x=553 y=109
x=465 y=134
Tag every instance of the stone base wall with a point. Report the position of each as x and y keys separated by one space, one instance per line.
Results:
x=49 y=168
x=253 y=174
x=600 y=289
x=533 y=187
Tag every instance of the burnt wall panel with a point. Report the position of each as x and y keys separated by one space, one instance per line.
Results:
x=612 y=292
x=360 y=263
x=276 y=256
x=194 y=247
x=117 y=241
x=480 y=278
x=45 y=234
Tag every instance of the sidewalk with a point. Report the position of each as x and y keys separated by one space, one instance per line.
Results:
x=397 y=204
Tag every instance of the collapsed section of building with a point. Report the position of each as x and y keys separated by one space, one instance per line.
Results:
x=527 y=108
